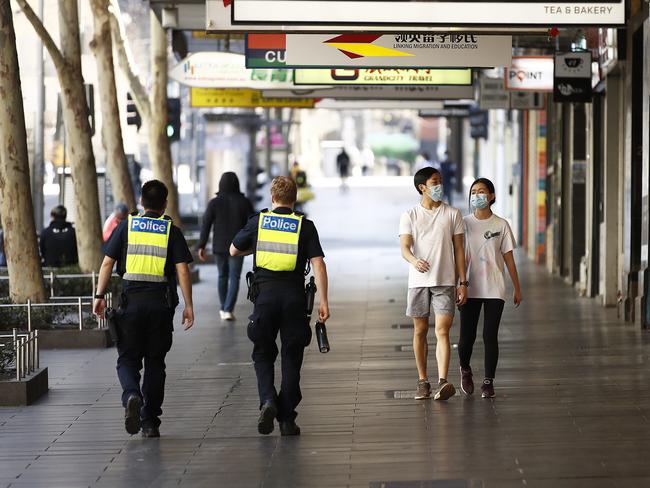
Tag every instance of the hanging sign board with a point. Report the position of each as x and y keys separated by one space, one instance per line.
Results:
x=219 y=19
x=381 y=76
x=431 y=50
x=493 y=94
x=330 y=103
x=242 y=98
x=530 y=73
x=522 y=100
x=381 y=92
x=573 y=77
x=431 y=12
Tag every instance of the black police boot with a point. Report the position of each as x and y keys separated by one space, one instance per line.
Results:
x=132 y=414
x=150 y=432
x=267 y=415
x=289 y=428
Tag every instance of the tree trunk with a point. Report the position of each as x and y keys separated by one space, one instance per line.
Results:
x=159 y=149
x=25 y=274
x=116 y=163
x=79 y=144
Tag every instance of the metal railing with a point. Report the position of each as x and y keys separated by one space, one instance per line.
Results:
x=26 y=351
x=77 y=302
x=51 y=278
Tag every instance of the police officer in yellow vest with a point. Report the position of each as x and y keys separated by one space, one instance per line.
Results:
x=151 y=254
x=283 y=241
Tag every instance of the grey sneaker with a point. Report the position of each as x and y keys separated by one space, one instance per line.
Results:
x=466 y=382
x=445 y=391
x=424 y=390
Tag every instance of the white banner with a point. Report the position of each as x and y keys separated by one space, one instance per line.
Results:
x=380 y=93
x=399 y=50
x=530 y=73
x=382 y=76
x=432 y=12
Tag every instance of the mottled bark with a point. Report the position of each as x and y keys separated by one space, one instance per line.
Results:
x=116 y=163
x=67 y=62
x=153 y=107
x=21 y=249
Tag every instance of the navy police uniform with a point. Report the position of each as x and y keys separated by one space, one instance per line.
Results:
x=145 y=316
x=280 y=306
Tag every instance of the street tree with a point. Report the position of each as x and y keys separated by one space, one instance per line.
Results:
x=67 y=62
x=21 y=249
x=102 y=47
x=152 y=107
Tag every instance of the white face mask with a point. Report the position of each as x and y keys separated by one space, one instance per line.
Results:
x=436 y=193
x=479 y=201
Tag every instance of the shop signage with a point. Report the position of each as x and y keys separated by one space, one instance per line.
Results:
x=522 y=100
x=531 y=73
x=227 y=70
x=444 y=112
x=414 y=50
x=493 y=94
x=219 y=19
x=573 y=77
x=432 y=12
x=382 y=76
x=242 y=98
x=431 y=92
x=330 y=103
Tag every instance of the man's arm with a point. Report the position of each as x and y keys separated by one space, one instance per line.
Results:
x=459 y=260
x=185 y=282
x=406 y=245
x=320 y=273
x=105 y=272
x=236 y=252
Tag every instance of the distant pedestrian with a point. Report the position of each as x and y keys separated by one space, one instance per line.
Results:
x=3 y=257
x=431 y=240
x=448 y=171
x=489 y=245
x=226 y=214
x=343 y=165
x=423 y=160
x=120 y=213
x=58 y=242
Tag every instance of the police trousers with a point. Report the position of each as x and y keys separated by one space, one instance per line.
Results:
x=279 y=308
x=145 y=324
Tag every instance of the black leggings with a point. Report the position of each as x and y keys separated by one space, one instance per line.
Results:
x=469 y=314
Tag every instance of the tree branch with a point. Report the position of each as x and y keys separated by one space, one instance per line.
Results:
x=55 y=53
x=136 y=88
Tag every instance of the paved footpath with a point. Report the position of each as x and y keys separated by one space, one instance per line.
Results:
x=572 y=407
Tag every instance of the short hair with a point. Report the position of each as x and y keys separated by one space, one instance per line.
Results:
x=121 y=208
x=59 y=213
x=422 y=176
x=284 y=190
x=154 y=195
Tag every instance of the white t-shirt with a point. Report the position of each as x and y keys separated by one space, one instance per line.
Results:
x=432 y=232
x=486 y=241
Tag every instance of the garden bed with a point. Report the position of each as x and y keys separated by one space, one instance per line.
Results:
x=23 y=392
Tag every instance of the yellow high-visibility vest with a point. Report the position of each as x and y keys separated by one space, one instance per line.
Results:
x=277 y=241
x=146 y=252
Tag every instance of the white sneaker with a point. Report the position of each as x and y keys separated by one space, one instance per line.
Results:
x=222 y=314
x=228 y=316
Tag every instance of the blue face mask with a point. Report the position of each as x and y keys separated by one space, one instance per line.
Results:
x=479 y=201
x=436 y=193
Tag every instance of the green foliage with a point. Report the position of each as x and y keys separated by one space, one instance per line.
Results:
x=7 y=357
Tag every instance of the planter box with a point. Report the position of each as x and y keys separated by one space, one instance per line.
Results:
x=74 y=339
x=25 y=391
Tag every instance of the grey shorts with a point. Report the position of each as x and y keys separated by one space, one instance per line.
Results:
x=420 y=300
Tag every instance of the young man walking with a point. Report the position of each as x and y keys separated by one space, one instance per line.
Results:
x=432 y=241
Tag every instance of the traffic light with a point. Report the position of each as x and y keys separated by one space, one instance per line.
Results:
x=174 y=119
x=132 y=114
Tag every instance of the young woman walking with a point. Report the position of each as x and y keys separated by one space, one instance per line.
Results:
x=489 y=244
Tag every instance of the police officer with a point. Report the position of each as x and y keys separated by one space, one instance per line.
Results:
x=283 y=241
x=150 y=253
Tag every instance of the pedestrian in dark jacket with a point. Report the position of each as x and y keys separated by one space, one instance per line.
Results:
x=58 y=243
x=228 y=212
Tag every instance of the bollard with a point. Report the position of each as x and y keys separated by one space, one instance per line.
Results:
x=29 y=315
x=81 y=318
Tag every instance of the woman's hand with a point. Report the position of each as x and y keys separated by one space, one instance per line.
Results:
x=517 y=298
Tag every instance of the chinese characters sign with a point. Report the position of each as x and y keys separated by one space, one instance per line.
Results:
x=425 y=50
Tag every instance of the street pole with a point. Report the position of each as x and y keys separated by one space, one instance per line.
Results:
x=38 y=161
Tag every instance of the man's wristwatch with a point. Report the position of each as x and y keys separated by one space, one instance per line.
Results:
x=464 y=283
x=100 y=296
